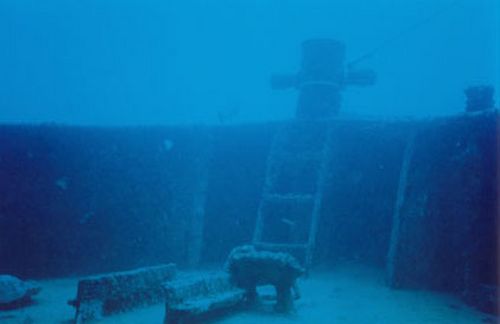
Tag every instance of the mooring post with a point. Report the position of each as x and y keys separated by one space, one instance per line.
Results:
x=321 y=79
x=479 y=98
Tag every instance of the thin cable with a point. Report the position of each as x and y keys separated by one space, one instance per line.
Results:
x=403 y=33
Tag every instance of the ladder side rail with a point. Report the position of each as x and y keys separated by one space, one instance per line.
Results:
x=268 y=183
x=320 y=186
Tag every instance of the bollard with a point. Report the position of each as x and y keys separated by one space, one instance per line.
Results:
x=321 y=79
x=479 y=98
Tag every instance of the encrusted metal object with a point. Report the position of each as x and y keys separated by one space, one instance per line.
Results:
x=116 y=292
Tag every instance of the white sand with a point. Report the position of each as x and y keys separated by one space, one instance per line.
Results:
x=348 y=294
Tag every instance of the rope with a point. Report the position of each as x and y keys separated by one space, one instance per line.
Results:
x=398 y=36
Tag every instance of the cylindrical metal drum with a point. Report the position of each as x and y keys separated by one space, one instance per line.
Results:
x=479 y=98
x=322 y=61
x=320 y=79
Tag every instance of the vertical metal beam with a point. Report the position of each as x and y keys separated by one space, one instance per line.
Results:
x=396 y=219
x=197 y=216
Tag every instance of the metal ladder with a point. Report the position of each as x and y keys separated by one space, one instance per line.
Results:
x=292 y=196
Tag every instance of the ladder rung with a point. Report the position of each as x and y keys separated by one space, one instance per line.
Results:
x=279 y=246
x=288 y=197
x=284 y=156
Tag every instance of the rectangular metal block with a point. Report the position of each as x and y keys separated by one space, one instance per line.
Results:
x=192 y=298
x=116 y=292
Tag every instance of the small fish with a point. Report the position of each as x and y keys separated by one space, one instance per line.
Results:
x=288 y=222
x=86 y=217
x=228 y=115
x=62 y=183
x=489 y=320
x=168 y=145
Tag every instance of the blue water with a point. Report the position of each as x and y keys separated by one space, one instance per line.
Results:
x=168 y=62
x=143 y=133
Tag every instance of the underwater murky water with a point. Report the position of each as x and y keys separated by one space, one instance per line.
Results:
x=330 y=161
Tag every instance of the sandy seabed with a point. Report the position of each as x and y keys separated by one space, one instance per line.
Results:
x=346 y=294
